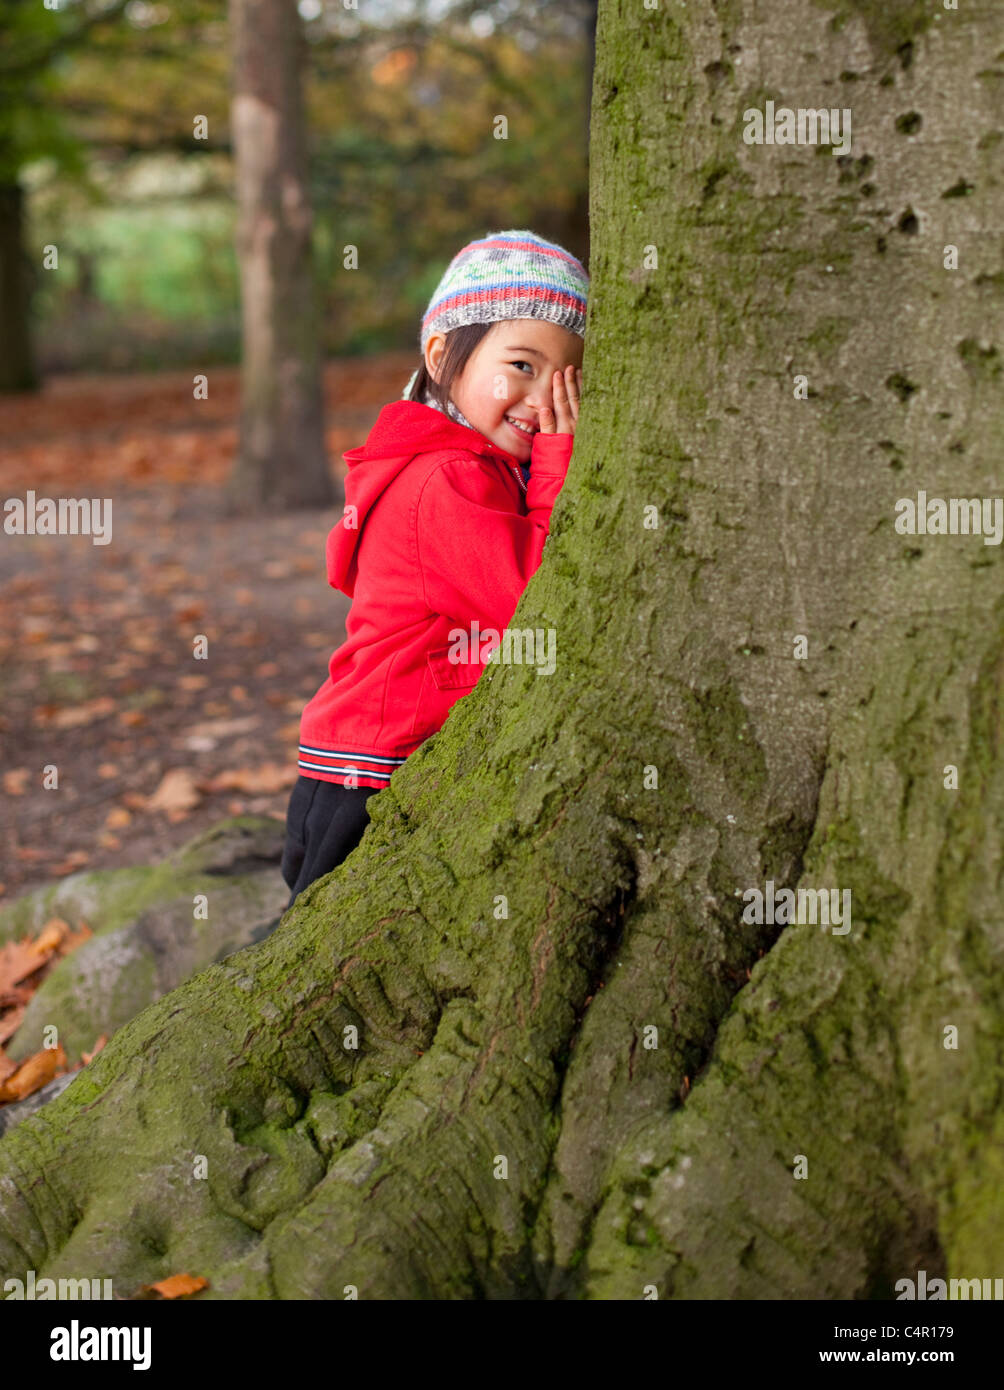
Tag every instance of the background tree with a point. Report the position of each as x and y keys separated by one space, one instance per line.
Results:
x=397 y=103
x=281 y=456
x=92 y=79
x=32 y=39
x=555 y=874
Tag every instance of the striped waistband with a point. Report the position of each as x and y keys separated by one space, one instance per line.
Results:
x=367 y=765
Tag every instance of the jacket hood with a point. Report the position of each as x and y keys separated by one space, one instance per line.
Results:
x=402 y=430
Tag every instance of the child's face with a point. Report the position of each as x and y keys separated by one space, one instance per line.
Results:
x=510 y=373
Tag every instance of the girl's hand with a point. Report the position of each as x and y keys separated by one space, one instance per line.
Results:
x=566 y=389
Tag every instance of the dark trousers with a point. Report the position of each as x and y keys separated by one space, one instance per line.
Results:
x=324 y=823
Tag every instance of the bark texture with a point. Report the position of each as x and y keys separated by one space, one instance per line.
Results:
x=281 y=459
x=528 y=903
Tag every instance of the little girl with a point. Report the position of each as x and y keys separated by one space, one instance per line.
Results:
x=447 y=507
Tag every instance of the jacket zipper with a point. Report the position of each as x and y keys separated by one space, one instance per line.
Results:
x=514 y=469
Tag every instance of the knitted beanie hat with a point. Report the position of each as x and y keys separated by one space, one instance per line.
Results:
x=509 y=275
x=506 y=275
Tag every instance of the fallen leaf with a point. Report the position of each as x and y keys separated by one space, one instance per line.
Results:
x=9 y=1024
x=221 y=728
x=34 y=1073
x=16 y=780
x=179 y=1285
x=268 y=777
x=52 y=935
x=89 y=1056
x=118 y=817
x=18 y=960
x=177 y=792
x=28 y=961
x=73 y=716
x=16 y=995
x=73 y=861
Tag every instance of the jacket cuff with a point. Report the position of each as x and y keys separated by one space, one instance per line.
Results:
x=550 y=453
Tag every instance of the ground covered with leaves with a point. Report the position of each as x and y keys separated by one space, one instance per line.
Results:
x=97 y=674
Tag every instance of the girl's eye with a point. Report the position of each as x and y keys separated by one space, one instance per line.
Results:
x=520 y=363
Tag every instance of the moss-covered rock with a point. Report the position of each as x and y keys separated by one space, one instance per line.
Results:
x=153 y=927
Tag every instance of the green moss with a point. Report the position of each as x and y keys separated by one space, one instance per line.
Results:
x=877 y=901
x=972 y=1223
x=829 y=334
x=721 y=729
x=984 y=363
x=893 y=25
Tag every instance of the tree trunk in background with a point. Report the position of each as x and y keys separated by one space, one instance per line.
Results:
x=570 y=226
x=281 y=460
x=17 y=367
x=579 y=1072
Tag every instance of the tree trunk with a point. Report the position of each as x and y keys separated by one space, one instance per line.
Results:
x=570 y=225
x=281 y=459
x=579 y=1071
x=17 y=366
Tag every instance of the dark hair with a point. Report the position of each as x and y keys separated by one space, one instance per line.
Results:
x=460 y=344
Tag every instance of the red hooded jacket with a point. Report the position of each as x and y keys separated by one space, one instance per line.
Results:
x=439 y=531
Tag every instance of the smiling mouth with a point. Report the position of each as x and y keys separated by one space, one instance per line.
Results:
x=523 y=426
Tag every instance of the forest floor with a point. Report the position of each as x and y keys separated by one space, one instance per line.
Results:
x=97 y=674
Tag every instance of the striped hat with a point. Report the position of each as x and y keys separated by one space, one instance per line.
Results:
x=509 y=275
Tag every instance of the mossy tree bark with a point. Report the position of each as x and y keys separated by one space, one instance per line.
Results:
x=281 y=458
x=549 y=885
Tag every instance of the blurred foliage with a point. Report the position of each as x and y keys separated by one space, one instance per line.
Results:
x=401 y=102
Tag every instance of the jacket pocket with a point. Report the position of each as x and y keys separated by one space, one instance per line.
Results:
x=453 y=675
